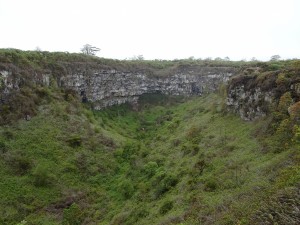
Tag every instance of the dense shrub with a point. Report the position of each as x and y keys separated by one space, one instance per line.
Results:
x=284 y=103
x=81 y=161
x=129 y=151
x=42 y=175
x=190 y=148
x=164 y=182
x=296 y=133
x=72 y=215
x=150 y=168
x=8 y=134
x=166 y=207
x=211 y=185
x=19 y=163
x=3 y=147
x=75 y=141
x=294 y=112
x=282 y=82
x=200 y=165
x=274 y=66
x=125 y=187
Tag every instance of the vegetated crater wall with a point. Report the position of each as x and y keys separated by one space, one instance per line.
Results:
x=106 y=87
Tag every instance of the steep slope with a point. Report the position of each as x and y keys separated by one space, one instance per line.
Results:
x=174 y=161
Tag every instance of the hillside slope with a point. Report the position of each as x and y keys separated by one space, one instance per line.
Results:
x=174 y=161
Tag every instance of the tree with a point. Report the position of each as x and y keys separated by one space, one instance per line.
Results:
x=89 y=49
x=139 y=57
x=275 y=58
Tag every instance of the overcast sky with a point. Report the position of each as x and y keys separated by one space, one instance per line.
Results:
x=156 y=29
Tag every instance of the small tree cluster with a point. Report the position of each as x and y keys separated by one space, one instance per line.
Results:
x=138 y=58
x=275 y=58
x=89 y=49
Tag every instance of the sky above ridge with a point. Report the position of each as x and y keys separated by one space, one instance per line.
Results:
x=156 y=29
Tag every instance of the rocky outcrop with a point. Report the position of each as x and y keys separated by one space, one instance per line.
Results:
x=252 y=87
x=107 y=87
x=249 y=104
x=13 y=78
x=111 y=87
x=249 y=95
x=253 y=95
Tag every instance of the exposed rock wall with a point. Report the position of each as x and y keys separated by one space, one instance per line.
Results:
x=106 y=87
x=110 y=87
x=254 y=95
x=249 y=104
x=250 y=95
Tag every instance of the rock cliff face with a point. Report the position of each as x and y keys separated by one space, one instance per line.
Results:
x=252 y=95
x=110 y=87
x=107 y=87
x=249 y=104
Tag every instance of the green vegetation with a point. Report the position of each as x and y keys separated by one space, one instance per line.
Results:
x=171 y=160
x=174 y=161
x=58 y=63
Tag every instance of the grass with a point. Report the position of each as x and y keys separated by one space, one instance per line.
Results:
x=173 y=161
x=59 y=63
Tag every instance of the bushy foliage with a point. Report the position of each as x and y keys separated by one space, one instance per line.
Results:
x=125 y=187
x=211 y=185
x=72 y=215
x=150 y=169
x=3 y=147
x=167 y=206
x=129 y=150
x=42 y=175
x=164 y=182
x=75 y=141
x=19 y=163
x=294 y=112
x=284 y=103
x=296 y=133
